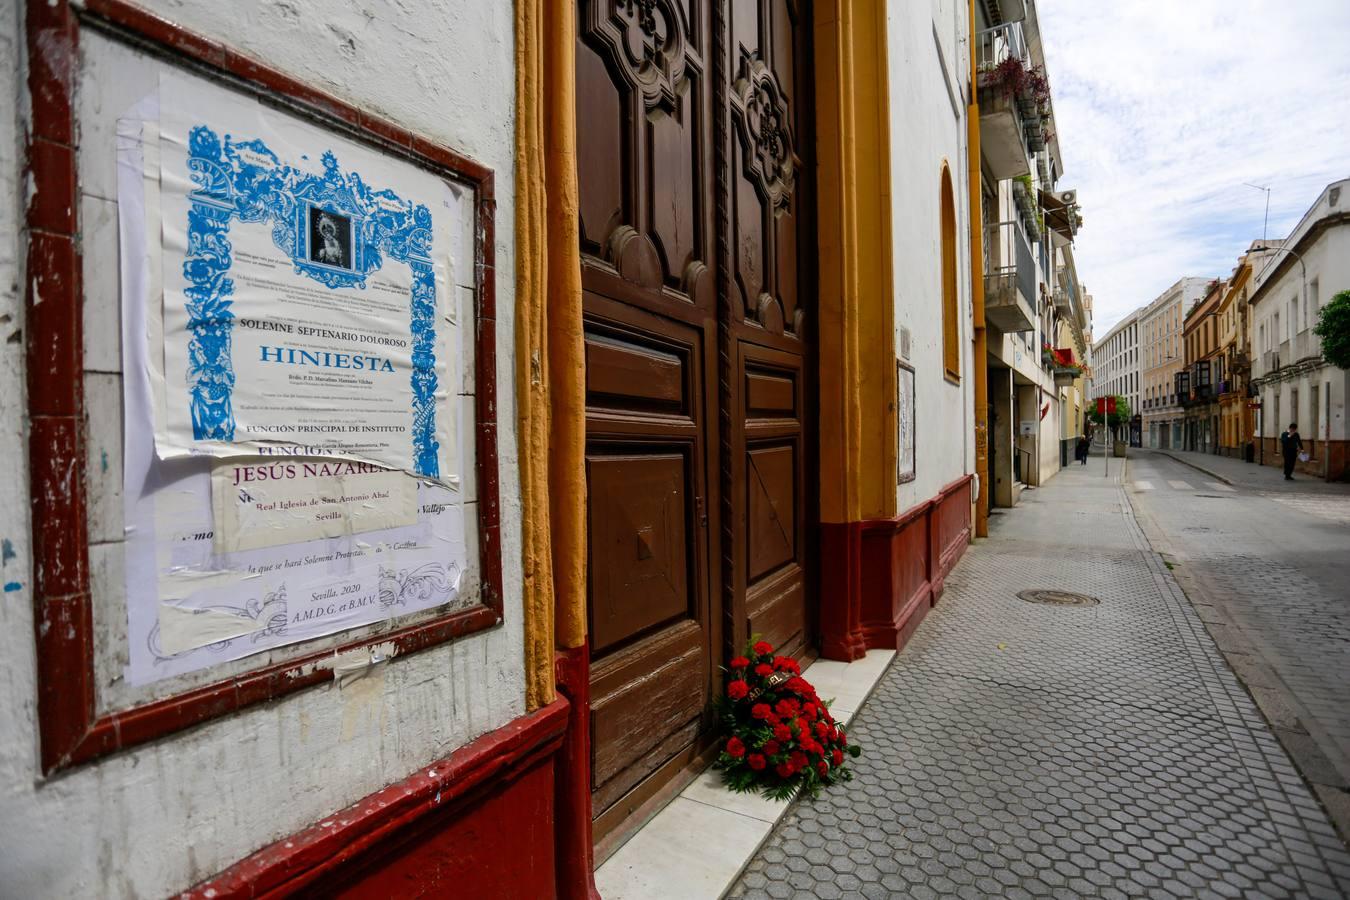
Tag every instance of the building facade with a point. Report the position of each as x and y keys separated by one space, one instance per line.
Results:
x=1162 y=357
x=1204 y=372
x=1116 y=365
x=1289 y=287
x=1238 y=401
x=1030 y=286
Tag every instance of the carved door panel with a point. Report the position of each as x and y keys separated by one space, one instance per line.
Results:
x=645 y=151
x=698 y=385
x=769 y=506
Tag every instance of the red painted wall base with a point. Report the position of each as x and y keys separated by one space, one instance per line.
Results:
x=881 y=576
x=480 y=823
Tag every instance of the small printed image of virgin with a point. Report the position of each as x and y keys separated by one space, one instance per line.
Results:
x=330 y=238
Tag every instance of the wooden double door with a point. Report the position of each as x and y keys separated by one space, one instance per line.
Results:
x=697 y=236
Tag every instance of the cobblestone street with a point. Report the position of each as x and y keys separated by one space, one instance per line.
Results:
x=1017 y=749
x=1263 y=562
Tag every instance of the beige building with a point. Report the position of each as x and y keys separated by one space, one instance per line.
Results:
x=1161 y=358
x=1237 y=406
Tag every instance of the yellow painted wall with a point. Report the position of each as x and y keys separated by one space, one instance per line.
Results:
x=550 y=366
x=857 y=352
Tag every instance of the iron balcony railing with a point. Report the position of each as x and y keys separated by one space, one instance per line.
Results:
x=1010 y=281
x=999 y=43
x=1009 y=254
x=1026 y=268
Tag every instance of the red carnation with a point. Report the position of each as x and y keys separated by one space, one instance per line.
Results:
x=823 y=767
x=822 y=729
x=798 y=685
x=763 y=670
x=782 y=733
x=788 y=663
x=761 y=711
x=838 y=757
x=756 y=761
x=763 y=648
x=784 y=770
x=801 y=727
x=772 y=719
x=735 y=747
x=786 y=707
x=737 y=689
x=739 y=662
x=770 y=748
x=798 y=759
x=809 y=710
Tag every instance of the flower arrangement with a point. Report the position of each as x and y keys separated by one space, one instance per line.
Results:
x=778 y=736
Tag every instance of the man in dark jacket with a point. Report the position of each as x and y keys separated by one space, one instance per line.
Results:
x=1290 y=445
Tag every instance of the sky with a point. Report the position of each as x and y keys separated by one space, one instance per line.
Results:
x=1163 y=108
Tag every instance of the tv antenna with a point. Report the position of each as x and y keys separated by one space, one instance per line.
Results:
x=1266 y=221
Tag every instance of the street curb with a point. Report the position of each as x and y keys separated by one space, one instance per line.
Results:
x=1199 y=468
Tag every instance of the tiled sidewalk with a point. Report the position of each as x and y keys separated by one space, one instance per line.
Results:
x=1016 y=750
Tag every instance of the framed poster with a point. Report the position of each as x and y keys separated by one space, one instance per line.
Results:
x=301 y=393
x=904 y=422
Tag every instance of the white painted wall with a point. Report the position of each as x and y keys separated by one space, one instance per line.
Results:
x=156 y=819
x=1327 y=262
x=927 y=108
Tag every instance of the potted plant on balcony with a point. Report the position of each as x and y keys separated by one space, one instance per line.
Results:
x=1024 y=195
x=1014 y=79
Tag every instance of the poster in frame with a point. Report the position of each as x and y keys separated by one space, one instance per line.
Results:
x=904 y=422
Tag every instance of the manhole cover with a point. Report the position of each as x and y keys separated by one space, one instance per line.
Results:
x=1058 y=598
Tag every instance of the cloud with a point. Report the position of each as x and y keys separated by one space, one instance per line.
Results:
x=1163 y=110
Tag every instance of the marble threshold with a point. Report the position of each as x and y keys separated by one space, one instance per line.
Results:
x=697 y=845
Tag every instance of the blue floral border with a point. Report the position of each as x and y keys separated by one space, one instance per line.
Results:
x=245 y=180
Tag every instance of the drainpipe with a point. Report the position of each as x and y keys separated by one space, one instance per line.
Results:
x=981 y=366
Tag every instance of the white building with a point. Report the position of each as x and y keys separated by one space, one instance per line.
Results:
x=1029 y=289
x=1162 y=356
x=928 y=71
x=1115 y=362
x=1310 y=267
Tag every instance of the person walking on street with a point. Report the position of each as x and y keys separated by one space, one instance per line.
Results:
x=1290 y=445
x=1081 y=450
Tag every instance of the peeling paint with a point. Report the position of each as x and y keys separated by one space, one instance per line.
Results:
x=12 y=586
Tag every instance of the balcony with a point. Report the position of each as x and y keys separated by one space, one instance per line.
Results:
x=1001 y=136
x=1003 y=139
x=1306 y=346
x=1010 y=289
x=1063 y=303
x=1066 y=375
x=1270 y=361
